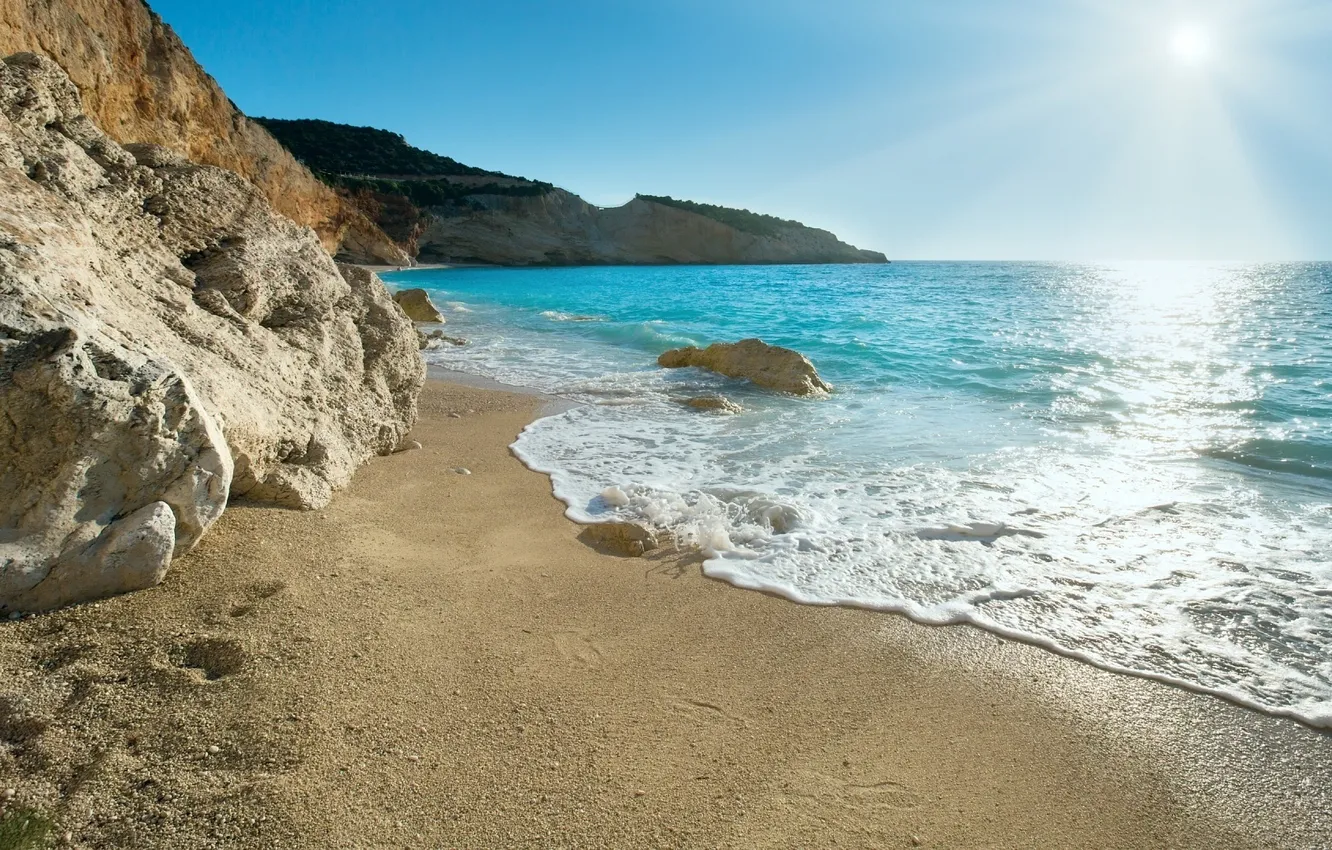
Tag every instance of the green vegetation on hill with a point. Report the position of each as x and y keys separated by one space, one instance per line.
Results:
x=430 y=192
x=750 y=222
x=343 y=149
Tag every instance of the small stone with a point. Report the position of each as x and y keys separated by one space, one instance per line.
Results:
x=455 y=416
x=214 y=749
x=639 y=792
x=16 y=615
x=915 y=841
x=462 y=470
x=10 y=793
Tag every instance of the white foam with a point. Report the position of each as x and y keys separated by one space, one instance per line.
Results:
x=1092 y=547
x=1083 y=574
x=558 y=316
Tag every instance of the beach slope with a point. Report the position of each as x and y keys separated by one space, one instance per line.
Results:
x=436 y=660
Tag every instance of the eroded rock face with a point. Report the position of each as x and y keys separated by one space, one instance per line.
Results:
x=141 y=84
x=559 y=228
x=769 y=366
x=417 y=305
x=166 y=342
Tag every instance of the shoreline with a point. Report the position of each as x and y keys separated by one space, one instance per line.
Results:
x=436 y=660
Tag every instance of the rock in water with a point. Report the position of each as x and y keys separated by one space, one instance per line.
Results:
x=628 y=539
x=417 y=305
x=712 y=403
x=166 y=342
x=769 y=366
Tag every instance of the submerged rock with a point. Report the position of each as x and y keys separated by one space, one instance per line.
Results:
x=769 y=366
x=628 y=539
x=437 y=339
x=712 y=403
x=417 y=305
x=167 y=342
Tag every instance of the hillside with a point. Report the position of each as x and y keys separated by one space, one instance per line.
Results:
x=441 y=210
x=140 y=83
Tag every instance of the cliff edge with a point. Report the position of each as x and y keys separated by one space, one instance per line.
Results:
x=140 y=83
x=441 y=210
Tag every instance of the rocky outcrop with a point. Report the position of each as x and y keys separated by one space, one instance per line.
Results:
x=768 y=366
x=140 y=84
x=559 y=228
x=417 y=305
x=167 y=342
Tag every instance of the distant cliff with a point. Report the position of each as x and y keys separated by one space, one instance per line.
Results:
x=441 y=210
x=141 y=84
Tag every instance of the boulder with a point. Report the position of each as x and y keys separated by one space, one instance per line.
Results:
x=417 y=305
x=768 y=366
x=627 y=539
x=167 y=343
x=712 y=403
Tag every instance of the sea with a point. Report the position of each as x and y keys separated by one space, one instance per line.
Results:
x=1129 y=464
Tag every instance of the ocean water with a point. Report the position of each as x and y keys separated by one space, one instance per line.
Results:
x=1127 y=464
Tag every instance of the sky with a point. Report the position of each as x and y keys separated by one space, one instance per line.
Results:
x=927 y=129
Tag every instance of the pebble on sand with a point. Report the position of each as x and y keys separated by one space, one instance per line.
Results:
x=462 y=470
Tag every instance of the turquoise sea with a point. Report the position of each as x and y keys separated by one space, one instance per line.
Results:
x=1129 y=464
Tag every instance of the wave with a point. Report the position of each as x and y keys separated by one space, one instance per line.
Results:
x=643 y=335
x=558 y=316
x=1271 y=455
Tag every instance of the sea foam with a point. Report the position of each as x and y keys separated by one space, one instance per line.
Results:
x=1124 y=466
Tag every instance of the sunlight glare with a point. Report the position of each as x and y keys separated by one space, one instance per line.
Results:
x=1191 y=45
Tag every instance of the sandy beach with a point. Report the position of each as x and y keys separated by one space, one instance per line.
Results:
x=437 y=661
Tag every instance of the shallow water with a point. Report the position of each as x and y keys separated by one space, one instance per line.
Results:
x=1130 y=464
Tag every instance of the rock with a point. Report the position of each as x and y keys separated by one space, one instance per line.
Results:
x=714 y=403
x=556 y=227
x=167 y=342
x=141 y=84
x=437 y=339
x=769 y=366
x=627 y=539
x=408 y=446
x=462 y=470
x=417 y=305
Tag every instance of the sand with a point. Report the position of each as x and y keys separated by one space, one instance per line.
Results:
x=437 y=661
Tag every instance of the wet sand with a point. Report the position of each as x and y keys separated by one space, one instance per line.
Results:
x=437 y=661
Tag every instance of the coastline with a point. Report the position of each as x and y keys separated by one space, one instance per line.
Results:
x=436 y=660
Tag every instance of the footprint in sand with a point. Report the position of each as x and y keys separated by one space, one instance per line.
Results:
x=704 y=711
x=578 y=646
x=858 y=792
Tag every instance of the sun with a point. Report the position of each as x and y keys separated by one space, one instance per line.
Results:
x=1191 y=45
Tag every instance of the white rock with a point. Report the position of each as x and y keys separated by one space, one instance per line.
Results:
x=167 y=342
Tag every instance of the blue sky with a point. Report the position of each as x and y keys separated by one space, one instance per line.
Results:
x=939 y=129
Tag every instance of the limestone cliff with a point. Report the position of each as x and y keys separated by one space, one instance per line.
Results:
x=442 y=210
x=560 y=228
x=141 y=84
x=167 y=341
